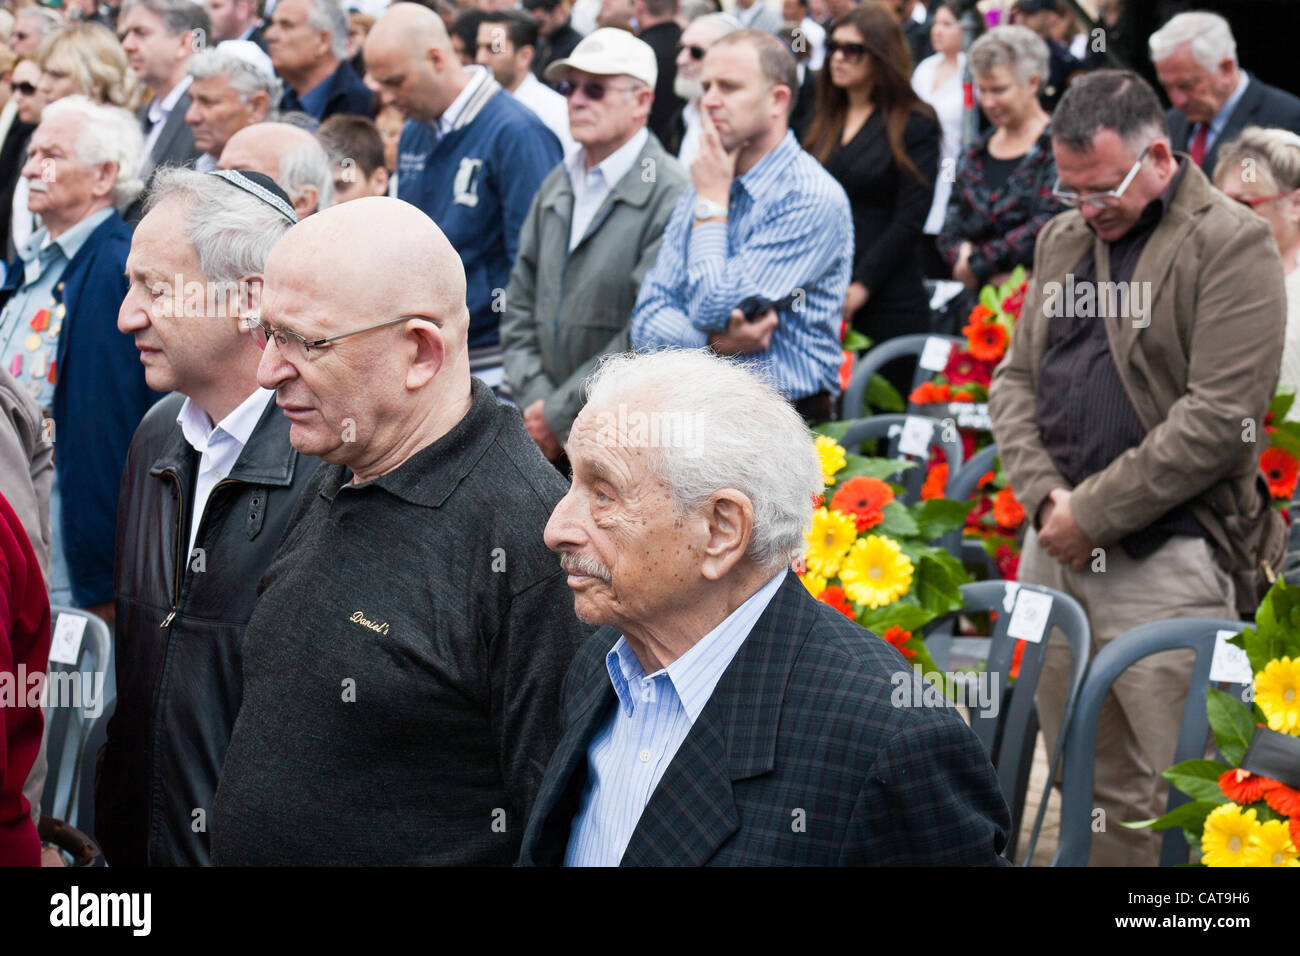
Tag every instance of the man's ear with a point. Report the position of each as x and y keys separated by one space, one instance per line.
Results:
x=729 y=518
x=261 y=105
x=430 y=351
x=105 y=180
x=250 y=299
x=306 y=202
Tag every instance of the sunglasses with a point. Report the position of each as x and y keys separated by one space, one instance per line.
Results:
x=853 y=52
x=594 y=90
x=25 y=88
x=697 y=52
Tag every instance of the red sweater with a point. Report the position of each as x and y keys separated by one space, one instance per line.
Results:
x=24 y=641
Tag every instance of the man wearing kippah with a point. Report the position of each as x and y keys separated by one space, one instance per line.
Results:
x=209 y=486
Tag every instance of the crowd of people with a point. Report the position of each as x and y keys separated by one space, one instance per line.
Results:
x=321 y=328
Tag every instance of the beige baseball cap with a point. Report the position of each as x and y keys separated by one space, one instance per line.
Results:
x=609 y=52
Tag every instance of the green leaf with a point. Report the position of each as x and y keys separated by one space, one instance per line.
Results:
x=989 y=299
x=934 y=587
x=910 y=617
x=1281 y=404
x=897 y=522
x=1287 y=438
x=1017 y=277
x=1232 y=723
x=834 y=430
x=860 y=466
x=855 y=341
x=883 y=396
x=1199 y=779
x=1190 y=815
x=938 y=516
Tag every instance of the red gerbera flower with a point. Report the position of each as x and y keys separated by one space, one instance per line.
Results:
x=846 y=371
x=988 y=476
x=1295 y=830
x=965 y=369
x=1281 y=469
x=1007 y=511
x=936 y=481
x=1283 y=799
x=1242 y=786
x=865 y=499
x=1013 y=303
x=928 y=393
x=983 y=505
x=1008 y=562
x=834 y=596
x=898 y=637
x=987 y=340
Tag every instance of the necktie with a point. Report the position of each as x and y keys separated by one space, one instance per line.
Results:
x=1198 y=143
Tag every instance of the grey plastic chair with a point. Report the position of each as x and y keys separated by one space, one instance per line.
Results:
x=890 y=427
x=1197 y=633
x=876 y=358
x=73 y=731
x=960 y=487
x=1009 y=734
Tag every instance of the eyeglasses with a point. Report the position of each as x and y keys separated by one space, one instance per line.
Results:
x=593 y=89
x=853 y=52
x=297 y=346
x=1255 y=201
x=697 y=52
x=25 y=88
x=1109 y=198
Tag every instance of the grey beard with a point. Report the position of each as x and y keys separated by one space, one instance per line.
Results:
x=685 y=89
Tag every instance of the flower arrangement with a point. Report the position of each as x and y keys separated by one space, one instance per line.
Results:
x=1236 y=817
x=1280 y=461
x=870 y=556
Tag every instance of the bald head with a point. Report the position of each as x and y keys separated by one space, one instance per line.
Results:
x=410 y=26
x=287 y=154
x=410 y=60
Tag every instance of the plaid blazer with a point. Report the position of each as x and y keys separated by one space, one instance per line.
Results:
x=799 y=758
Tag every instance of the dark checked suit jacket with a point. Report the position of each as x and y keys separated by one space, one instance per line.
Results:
x=800 y=721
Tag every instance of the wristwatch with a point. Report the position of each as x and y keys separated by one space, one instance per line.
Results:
x=708 y=209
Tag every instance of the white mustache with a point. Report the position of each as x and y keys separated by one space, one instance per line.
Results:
x=578 y=564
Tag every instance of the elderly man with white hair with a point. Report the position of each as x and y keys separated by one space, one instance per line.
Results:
x=57 y=333
x=289 y=155
x=721 y=715
x=412 y=630
x=1213 y=99
x=699 y=35
x=307 y=41
x=210 y=483
x=233 y=86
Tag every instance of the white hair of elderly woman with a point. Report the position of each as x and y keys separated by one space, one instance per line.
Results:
x=110 y=135
x=1018 y=48
x=308 y=165
x=232 y=231
x=1208 y=33
x=724 y=426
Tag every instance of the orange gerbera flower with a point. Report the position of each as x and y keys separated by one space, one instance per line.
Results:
x=1295 y=830
x=1242 y=787
x=898 y=637
x=1007 y=511
x=936 y=481
x=987 y=340
x=864 y=498
x=835 y=597
x=981 y=313
x=928 y=393
x=1281 y=469
x=1285 y=800
x=988 y=476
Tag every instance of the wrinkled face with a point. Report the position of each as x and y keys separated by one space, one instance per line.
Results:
x=29 y=105
x=608 y=119
x=60 y=184
x=25 y=38
x=217 y=113
x=230 y=18
x=55 y=85
x=1280 y=211
x=294 y=44
x=254 y=153
x=1103 y=168
x=848 y=67
x=690 y=69
x=153 y=53
x=406 y=83
x=1193 y=90
x=737 y=97
x=180 y=351
x=945 y=32
x=497 y=53
x=1003 y=98
x=628 y=553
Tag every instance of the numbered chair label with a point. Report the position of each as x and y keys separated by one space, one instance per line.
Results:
x=915 y=440
x=1229 y=663
x=934 y=357
x=1029 y=619
x=66 y=642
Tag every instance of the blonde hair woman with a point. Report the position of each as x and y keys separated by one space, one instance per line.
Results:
x=85 y=58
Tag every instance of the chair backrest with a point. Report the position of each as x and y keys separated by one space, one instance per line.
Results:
x=875 y=358
x=1197 y=633
x=1008 y=733
x=76 y=702
x=891 y=427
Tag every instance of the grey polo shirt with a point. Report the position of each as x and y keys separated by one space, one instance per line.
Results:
x=403 y=665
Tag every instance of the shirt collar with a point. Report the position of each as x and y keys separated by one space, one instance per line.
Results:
x=614 y=166
x=70 y=242
x=447 y=121
x=199 y=431
x=696 y=673
x=159 y=111
x=766 y=174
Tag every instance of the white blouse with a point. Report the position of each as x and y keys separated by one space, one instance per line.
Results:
x=947 y=103
x=1290 y=373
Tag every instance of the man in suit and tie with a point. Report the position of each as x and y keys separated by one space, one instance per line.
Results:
x=158 y=37
x=722 y=715
x=1213 y=99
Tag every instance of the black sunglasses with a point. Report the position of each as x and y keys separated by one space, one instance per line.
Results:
x=593 y=89
x=852 y=51
x=25 y=88
x=697 y=52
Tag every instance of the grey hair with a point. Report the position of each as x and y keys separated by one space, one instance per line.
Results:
x=1276 y=151
x=232 y=231
x=109 y=135
x=45 y=18
x=329 y=15
x=1208 y=33
x=245 y=78
x=1118 y=100
x=741 y=434
x=308 y=165
x=1019 y=48
x=178 y=16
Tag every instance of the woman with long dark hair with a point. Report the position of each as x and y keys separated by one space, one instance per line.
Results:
x=881 y=142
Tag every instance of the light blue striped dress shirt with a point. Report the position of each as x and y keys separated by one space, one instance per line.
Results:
x=629 y=754
x=789 y=228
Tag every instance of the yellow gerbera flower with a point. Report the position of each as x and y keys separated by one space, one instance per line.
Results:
x=832 y=533
x=1227 y=834
x=831 y=454
x=1271 y=846
x=876 y=572
x=1277 y=691
x=815 y=583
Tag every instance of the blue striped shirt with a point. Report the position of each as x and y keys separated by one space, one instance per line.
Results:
x=629 y=754
x=789 y=230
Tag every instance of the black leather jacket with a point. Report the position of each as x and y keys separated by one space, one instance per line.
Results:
x=179 y=636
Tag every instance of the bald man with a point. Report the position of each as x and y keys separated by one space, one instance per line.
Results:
x=471 y=156
x=403 y=665
x=290 y=156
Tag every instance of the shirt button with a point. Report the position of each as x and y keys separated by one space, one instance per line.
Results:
x=645 y=756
